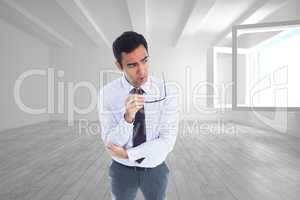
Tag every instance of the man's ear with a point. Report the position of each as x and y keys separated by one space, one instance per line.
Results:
x=119 y=66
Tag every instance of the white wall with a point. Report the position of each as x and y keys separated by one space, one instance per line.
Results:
x=20 y=52
x=79 y=65
x=185 y=66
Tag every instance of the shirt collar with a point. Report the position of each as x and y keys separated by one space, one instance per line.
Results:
x=129 y=87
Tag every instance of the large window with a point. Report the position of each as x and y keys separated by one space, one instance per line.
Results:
x=271 y=69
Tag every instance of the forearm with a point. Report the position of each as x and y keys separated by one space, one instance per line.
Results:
x=153 y=149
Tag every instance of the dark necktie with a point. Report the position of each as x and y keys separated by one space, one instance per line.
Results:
x=139 y=125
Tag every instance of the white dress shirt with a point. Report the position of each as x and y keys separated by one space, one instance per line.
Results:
x=161 y=121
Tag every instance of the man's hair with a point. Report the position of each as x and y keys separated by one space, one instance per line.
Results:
x=127 y=42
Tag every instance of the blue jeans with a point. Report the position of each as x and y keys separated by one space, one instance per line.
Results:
x=125 y=181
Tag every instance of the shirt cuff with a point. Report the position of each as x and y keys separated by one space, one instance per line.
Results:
x=133 y=154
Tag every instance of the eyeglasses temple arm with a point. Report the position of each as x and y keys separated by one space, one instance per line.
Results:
x=163 y=75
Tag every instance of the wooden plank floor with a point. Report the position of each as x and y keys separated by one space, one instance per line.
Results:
x=51 y=161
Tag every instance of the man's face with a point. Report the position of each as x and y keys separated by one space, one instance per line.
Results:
x=135 y=66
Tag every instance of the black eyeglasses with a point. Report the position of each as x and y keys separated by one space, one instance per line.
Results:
x=165 y=93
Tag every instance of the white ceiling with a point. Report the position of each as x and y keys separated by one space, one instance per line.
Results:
x=74 y=23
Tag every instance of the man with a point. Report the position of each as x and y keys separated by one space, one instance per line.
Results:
x=139 y=120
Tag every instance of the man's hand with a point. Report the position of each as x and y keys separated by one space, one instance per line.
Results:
x=132 y=104
x=116 y=151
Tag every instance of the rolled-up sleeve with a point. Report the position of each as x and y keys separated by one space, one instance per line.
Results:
x=159 y=148
x=116 y=131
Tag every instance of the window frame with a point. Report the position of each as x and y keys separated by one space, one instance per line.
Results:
x=235 y=30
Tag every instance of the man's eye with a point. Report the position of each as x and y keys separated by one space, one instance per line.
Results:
x=131 y=65
x=146 y=60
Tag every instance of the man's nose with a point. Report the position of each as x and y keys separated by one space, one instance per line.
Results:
x=141 y=69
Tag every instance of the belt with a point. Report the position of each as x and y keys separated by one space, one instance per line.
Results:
x=135 y=168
